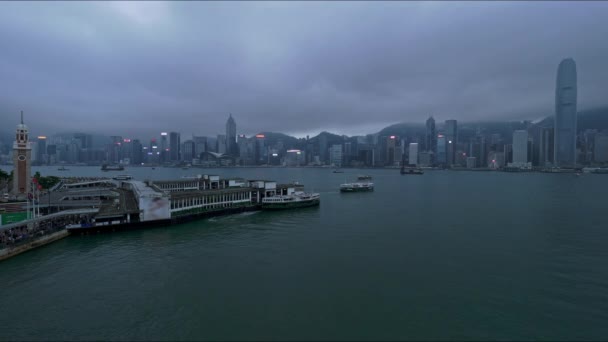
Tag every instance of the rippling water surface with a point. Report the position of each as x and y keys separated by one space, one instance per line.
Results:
x=446 y=255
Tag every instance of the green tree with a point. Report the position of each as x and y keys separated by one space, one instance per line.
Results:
x=48 y=182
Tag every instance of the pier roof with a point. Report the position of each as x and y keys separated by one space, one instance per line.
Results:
x=290 y=185
x=195 y=193
x=144 y=190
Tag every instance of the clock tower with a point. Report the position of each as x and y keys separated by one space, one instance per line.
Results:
x=22 y=162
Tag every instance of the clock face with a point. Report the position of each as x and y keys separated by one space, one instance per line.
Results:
x=21 y=157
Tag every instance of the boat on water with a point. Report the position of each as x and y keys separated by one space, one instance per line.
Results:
x=123 y=177
x=106 y=167
x=338 y=171
x=357 y=187
x=62 y=168
x=364 y=177
x=595 y=170
x=298 y=199
x=411 y=171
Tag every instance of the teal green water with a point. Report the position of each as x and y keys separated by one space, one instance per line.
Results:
x=446 y=255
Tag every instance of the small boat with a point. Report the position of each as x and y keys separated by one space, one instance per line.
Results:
x=123 y=177
x=357 y=187
x=63 y=169
x=338 y=171
x=298 y=199
x=364 y=177
x=153 y=168
x=600 y=171
x=106 y=167
x=411 y=172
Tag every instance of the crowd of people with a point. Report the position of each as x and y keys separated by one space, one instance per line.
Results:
x=23 y=233
x=71 y=180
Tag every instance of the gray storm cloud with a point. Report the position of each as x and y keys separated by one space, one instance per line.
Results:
x=138 y=68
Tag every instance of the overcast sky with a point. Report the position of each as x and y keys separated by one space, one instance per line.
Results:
x=139 y=68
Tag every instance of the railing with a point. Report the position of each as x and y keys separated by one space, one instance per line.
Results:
x=20 y=236
x=199 y=210
x=19 y=233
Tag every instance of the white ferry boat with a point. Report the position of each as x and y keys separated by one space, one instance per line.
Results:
x=357 y=187
x=298 y=199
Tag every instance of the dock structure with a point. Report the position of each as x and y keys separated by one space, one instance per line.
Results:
x=209 y=193
x=105 y=205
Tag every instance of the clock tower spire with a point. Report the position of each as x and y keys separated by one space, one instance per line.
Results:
x=22 y=162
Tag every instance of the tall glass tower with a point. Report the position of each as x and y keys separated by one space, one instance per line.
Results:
x=231 y=146
x=565 y=114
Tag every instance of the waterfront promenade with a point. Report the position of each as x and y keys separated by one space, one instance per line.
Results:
x=22 y=236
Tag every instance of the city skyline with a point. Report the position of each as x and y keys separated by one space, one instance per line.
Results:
x=108 y=65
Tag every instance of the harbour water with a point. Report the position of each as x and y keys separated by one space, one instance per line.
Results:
x=446 y=255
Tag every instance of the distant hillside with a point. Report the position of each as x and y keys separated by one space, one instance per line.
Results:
x=404 y=129
x=588 y=119
x=272 y=138
x=331 y=138
x=593 y=119
x=596 y=118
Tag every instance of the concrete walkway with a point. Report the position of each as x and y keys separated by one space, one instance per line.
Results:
x=43 y=240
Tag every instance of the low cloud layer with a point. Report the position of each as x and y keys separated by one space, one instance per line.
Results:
x=139 y=68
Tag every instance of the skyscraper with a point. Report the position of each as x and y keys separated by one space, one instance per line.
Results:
x=222 y=145
x=113 y=150
x=391 y=144
x=451 y=136
x=335 y=155
x=231 y=146
x=42 y=158
x=520 y=147
x=323 y=148
x=189 y=149
x=200 y=145
x=413 y=155
x=546 y=146
x=174 y=146
x=441 y=149
x=565 y=114
x=136 y=152
x=600 y=153
x=164 y=148
x=260 y=149
x=430 y=142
